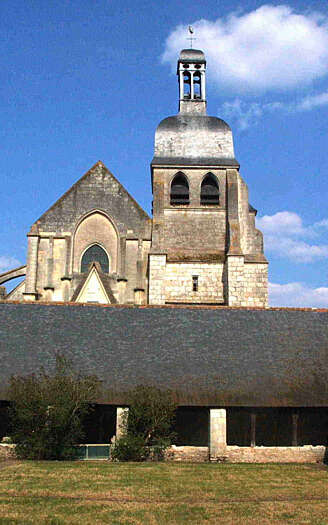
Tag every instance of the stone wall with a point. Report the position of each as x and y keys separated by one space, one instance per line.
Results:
x=234 y=278
x=235 y=454
x=157 y=279
x=305 y=454
x=178 y=283
x=95 y=210
x=188 y=454
x=247 y=283
x=194 y=232
x=189 y=230
x=255 y=284
x=7 y=451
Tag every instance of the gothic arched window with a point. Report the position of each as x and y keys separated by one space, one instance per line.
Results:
x=179 y=189
x=209 y=193
x=95 y=254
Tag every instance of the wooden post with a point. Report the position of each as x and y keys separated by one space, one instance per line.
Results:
x=295 y=425
x=253 y=429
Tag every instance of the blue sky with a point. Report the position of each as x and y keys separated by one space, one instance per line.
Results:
x=86 y=80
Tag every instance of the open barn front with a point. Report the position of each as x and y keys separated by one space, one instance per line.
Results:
x=277 y=427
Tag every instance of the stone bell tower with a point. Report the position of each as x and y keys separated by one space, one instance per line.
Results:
x=205 y=247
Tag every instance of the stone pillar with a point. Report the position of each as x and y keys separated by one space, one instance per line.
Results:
x=157 y=266
x=140 y=267
x=139 y=296
x=203 y=88
x=66 y=286
x=2 y=293
x=139 y=291
x=121 y=289
x=122 y=257
x=67 y=266
x=50 y=265
x=192 y=90
x=120 y=416
x=217 y=433
x=181 y=86
x=30 y=293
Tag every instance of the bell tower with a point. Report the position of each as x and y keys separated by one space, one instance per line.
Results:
x=205 y=246
x=192 y=83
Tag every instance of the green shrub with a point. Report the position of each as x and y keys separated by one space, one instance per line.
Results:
x=48 y=409
x=130 y=448
x=147 y=426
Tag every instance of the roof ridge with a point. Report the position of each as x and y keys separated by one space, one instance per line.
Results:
x=172 y=306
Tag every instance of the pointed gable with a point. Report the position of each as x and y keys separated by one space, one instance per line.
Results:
x=94 y=288
x=98 y=189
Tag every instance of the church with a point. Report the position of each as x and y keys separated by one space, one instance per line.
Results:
x=96 y=244
x=178 y=300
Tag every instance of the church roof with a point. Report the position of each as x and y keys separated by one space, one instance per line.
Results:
x=208 y=355
x=188 y=139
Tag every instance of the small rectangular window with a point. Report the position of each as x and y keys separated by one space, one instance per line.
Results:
x=195 y=283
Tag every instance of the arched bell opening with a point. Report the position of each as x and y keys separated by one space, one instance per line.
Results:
x=186 y=85
x=209 y=193
x=179 y=189
x=197 y=86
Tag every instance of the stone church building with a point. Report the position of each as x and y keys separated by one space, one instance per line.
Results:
x=178 y=301
x=96 y=244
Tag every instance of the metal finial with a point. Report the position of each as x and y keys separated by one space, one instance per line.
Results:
x=191 y=38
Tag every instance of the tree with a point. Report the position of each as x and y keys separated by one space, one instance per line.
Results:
x=47 y=410
x=147 y=425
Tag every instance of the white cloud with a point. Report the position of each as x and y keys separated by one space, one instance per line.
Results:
x=7 y=263
x=297 y=294
x=295 y=250
x=283 y=236
x=321 y=224
x=312 y=101
x=286 y=222
x=248 y=113
x=272 y=47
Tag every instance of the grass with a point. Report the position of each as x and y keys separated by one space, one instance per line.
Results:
x=56 y=493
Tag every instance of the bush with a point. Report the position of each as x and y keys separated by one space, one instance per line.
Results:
x=48 y=410
x=147 y=426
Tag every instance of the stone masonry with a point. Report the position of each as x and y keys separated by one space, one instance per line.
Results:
x=215 y=244
x=193 y=251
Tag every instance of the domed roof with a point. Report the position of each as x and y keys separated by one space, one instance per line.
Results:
x=194 y=140
x=192 y=55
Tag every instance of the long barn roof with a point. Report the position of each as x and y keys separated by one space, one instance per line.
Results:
x=208 y=356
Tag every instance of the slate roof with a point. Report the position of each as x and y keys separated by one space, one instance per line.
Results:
x=209 y=355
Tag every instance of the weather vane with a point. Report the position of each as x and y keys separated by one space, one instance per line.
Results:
x=191 y=38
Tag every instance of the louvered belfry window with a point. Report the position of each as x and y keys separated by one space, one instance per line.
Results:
x=209 y=193
x=95 y=254
x=179 y=189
